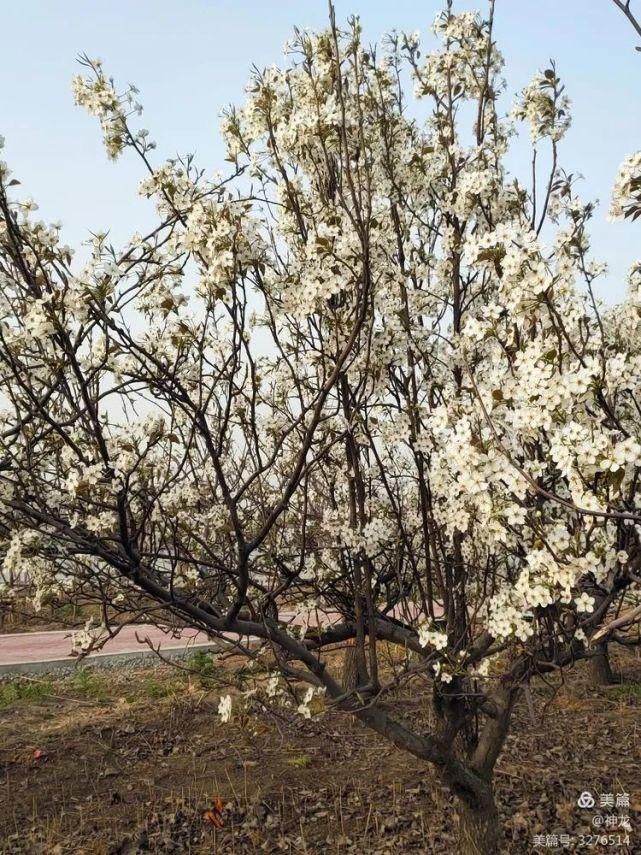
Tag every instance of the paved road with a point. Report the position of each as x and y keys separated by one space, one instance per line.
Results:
x=25 y=647
x=35 y=651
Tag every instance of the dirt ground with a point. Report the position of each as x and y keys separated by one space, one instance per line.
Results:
x=117 y=764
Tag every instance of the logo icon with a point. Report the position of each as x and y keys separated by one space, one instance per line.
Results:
x=585 y=800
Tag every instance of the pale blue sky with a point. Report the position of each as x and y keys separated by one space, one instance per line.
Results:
x=190 y=58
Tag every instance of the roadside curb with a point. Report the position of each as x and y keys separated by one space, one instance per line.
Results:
x=130 y=658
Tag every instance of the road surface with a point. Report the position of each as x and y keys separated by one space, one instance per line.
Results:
x=55 y=648
x=38 y=652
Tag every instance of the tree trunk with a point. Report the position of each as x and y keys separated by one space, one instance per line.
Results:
x=350 y=667
x=600 y=665
x=479 y=826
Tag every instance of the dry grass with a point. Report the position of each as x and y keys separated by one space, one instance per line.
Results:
x=130 y=762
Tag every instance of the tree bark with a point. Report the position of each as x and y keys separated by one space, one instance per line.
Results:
x=479 y=826
x=480 y=830
x=600 y=666
x=350 y=667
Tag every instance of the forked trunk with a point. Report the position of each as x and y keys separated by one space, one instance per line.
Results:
x=479 y=826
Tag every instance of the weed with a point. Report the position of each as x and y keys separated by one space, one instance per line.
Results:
x=89 y=684
x=205 y=667
x=155 y=689
x=625 y=691
x=16 y=690
x=300 y=761
x=8 y=694
x=36 y=691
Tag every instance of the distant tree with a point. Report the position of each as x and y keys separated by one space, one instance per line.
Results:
x=363 y=378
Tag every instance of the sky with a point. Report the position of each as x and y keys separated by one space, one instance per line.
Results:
x=191 y=58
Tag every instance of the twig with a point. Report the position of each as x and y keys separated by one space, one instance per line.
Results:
x=625 y=8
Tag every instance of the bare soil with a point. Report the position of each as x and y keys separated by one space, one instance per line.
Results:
x=117 y=764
